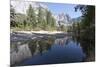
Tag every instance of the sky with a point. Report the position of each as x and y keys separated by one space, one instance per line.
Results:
x=55 y=8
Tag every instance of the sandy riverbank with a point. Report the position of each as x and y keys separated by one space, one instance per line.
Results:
x=40 y=32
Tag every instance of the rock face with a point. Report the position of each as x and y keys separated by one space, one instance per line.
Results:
x=22 y=53
x=63 y=19
x=66 y=20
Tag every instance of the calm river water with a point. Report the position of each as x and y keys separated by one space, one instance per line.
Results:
x=48 y=50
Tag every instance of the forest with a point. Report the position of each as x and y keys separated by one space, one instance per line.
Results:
x=32 y=21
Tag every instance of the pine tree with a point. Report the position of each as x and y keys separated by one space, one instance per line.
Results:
x=40 y=16
x=31 y=16
x=12 y=17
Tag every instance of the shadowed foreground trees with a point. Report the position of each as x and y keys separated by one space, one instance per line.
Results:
x=86 y=30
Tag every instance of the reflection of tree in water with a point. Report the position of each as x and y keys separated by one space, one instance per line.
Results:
x=87 y=43
x=86 y=30
x=45 y=44
x=32 y=46
x=42 y=45
x=76 y=39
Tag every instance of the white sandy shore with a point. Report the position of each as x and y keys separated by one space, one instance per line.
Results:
x=41 y=32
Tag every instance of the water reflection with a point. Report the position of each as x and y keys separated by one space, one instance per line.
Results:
x=40 y=45
x=61 y=50
x=48 y=50
x=88 y=46
x=62 y=41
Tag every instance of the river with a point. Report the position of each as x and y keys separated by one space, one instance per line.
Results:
x=39 y=49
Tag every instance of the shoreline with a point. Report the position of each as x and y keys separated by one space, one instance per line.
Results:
x=39 y=32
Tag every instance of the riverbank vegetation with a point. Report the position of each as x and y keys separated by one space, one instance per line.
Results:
x=84 y=31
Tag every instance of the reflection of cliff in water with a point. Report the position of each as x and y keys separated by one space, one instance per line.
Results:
x=62 y=41
x=51 y=47
x=21 y=50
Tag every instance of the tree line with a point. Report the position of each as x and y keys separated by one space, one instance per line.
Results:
x=40 y=19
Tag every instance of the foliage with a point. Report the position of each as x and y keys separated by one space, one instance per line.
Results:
x=88 y=14
x=43 y=20
x=86 y=27
x=12 y=16
x=31 y=17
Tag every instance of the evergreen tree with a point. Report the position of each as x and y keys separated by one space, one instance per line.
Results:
x=40 y=17
x=49 y=18
x=87 y=26
x=31 y=16
x=12 y=17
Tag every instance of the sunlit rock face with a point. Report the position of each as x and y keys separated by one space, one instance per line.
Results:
x=63 y=19
x=23 y=52
x=21 y=6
